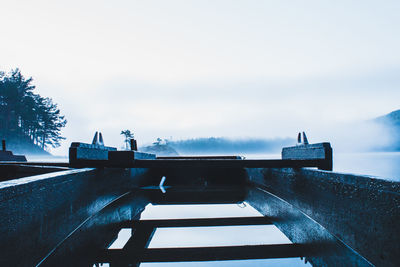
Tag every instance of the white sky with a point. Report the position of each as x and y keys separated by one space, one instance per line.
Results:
x=207 y=68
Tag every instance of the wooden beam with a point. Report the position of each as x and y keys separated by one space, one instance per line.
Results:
x=229 y=221
x=205 y=253
x=140 y=238
x=229 y=194
x=79 y=153
x=136 y=246
x=38 y=164
x=189 y=163
x=202 y=157
x=321 y=151
x=226 y=163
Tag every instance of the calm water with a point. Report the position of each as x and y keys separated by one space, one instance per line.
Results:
x=383 y=165
x=170 y=237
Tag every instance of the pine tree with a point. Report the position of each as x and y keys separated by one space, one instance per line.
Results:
x=26 y=115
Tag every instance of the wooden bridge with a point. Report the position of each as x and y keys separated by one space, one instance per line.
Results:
x=69 y=213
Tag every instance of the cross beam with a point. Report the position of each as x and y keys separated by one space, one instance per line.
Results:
x=204 y=253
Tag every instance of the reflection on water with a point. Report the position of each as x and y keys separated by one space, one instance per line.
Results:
x=197 y=211
x=211 y=236
x=123 y=236
x=169 y=237
x=385 y=165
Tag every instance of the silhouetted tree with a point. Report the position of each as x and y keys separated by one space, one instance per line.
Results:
x=128 y=135
x=26 y=115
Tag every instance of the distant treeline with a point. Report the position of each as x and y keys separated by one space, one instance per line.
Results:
x=26 y=117
x=214 y=145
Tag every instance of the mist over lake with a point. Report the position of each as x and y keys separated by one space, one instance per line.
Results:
x=200 y=133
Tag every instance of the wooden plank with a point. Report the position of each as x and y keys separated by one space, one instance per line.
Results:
x=300 y=228
x=187 y=163
x=36 y=163
x=202 y=157
x=135 y=246
x=202 y=163
x=206 y=253
x=13 y=171
x=363 y=211
x=127 y=156
x=228 y=194
x=80 y=153
x=229 y=221
x=140 y=238
x=321 y=151
x=9 y=156
x=226 y=163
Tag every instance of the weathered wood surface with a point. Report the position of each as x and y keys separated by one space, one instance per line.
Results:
x=179 y=163
x=9 y=156
x=361 y=211
x=201 y=163
x=301 y=229
x=321 y=151
x=127 y=157
x=39 y=212
x=88 y=152
x=36 y=163
x=85 y=155
x=133 y=143
x=233 y=193
x=227 y=163
x=13 y=171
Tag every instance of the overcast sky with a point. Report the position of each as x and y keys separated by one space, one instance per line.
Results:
x=207 y=68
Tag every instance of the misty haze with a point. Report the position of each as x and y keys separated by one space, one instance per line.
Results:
x=135 y=132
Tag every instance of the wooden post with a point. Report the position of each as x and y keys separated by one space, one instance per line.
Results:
x=81 y=154
x=133 y=144
x=320 y=151
x=3 y=142
x=95 y=139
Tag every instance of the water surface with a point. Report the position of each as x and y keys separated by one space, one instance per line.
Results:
x=383 y=165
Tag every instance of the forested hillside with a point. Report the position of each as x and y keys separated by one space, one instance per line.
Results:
x=28 y=121
x=391 y=122
x=224 y=145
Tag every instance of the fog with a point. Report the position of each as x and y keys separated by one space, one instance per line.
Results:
x=340 y=112
x=188 y=69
